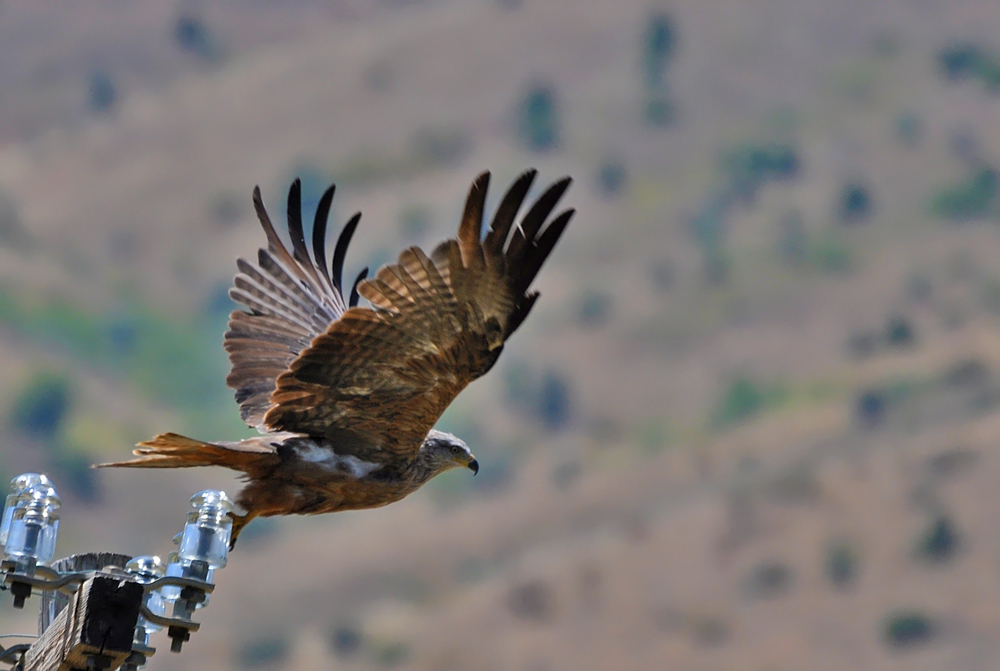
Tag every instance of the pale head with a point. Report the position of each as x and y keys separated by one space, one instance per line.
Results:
x=442 y=451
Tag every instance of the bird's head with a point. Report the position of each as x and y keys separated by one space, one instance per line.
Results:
x=442 y=451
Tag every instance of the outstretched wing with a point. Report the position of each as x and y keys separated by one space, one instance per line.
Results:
x=291 y=300
x=378 y=379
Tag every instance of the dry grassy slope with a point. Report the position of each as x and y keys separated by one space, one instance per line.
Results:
x=645 y=552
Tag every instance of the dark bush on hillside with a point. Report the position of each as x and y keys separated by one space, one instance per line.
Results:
x=750 y=166
x=73 y=472
x=389 y=653
x=841 y=564
x=193 y=36
x=940 y=541
x=538 y=118
x=543 y=397
x=611 y=177
x=346 y=641
x=960 y=60
x=855 y=203
x=101 y=91
x=264 y=652
x=871 y=408
x=742 y=400
x=770 y=579
x=659 y=44
x=554 y=401
x=531 y=601
x=963 y=60
x=899 y=333
x=43 y=405
x=907 y=628
x=975 y=198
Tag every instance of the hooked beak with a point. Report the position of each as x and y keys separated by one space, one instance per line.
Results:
x=474 y=467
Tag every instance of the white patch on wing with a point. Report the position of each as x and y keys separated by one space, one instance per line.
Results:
x=324 y=456
x=358 y=467
x=314 y=453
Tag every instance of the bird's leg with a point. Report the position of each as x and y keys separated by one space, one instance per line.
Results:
x=239 y=521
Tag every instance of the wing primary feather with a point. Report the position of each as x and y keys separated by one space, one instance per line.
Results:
x=300 y=251
x=536 y=216
x=470 y=231
x=295 y=224
x=319 y=232
x=340 y=251
x=273 y=241
x=536 y=253
x=355 y=296
x=503 y=219
x=520 y=312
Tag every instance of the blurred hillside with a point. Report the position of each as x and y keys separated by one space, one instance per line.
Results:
x=752 y=422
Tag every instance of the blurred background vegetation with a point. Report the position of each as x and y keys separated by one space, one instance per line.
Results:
x=752 y=422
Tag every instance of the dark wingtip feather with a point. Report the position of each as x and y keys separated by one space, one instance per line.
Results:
x=521 y=312
x=263 y=218
x=537 y=253
x=536 y=217
x=471 y=228
x=300 y=252
x=319 y=230
x=504 y=217
x=340 y=251
x=354 y=288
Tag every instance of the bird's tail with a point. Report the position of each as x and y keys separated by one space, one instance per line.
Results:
x=170 y=450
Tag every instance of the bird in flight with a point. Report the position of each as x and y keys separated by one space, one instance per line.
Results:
x=345 y=396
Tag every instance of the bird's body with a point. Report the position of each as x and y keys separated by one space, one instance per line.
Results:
x=346 y=397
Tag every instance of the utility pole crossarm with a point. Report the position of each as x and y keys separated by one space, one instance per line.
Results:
x=98 y=624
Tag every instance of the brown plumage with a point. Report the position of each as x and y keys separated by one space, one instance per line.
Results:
x=346 y=397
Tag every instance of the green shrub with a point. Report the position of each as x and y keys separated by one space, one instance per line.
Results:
x=871 y=407
x=899 y=333
x=659 y=44
x=960 y=60
x=539 y=120
x=389 y=653
x=745 y=399
x=101 y=91
x=751 y=165
x=611 y=176
x=554 y=402
x=73 y=472
x=346 y=641
x=532 y=600
x=975 y=198
x=907 y=628
x=770 y=579
x=940 y=541
x=263 y=652
x=855 y=203
x=193 y=36
x=841 y=564
x=42 y=405
x=964 y=60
